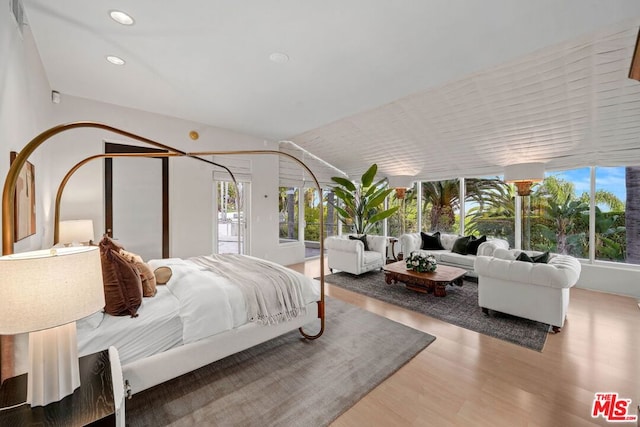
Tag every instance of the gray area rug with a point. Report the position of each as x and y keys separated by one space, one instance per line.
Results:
x=287 y=381
x=459 y=307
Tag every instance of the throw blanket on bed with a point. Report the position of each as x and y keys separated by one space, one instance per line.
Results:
x=272 y=293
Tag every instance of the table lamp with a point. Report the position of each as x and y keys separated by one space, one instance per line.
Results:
x=44 y=292
x=77 y=230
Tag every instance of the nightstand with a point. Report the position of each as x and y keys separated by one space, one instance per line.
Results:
x=91 y=404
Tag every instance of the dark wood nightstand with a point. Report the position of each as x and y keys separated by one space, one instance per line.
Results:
x=91 y=404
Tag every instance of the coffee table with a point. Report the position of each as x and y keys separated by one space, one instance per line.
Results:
x=424 y=282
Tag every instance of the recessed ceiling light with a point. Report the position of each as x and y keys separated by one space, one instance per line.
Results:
x=279 y=57
x=121 y=18
x=115 y=60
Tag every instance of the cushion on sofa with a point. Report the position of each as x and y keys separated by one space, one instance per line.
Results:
x=461 y=244
x=542 y=258
x=363 y=239
x=472 y=247
x=431 y=241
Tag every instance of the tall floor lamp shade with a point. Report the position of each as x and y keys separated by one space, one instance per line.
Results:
x=523 y=175
x=401 y=183
x=44 y=292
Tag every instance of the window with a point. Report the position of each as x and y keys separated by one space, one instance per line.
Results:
x=440 y=205
x=556 y=216
x=610 y=232
x=405 y=220
x=330 y=217
x=288 y=213
x=490 y=208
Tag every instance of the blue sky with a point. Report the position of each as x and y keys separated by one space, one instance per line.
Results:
x=609 y=179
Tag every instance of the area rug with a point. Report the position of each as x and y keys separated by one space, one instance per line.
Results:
x=287 y=381
x=459 y=307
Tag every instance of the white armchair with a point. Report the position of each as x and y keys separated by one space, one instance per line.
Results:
x=534 y=291
x=349 y=255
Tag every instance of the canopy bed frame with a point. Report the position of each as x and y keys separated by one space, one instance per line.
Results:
x=149 y=371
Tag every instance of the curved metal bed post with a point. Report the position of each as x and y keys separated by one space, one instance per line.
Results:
x=320 y=215
x=63 y=183
x=8 y=192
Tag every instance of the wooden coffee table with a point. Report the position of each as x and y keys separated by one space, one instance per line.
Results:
x=424 y=282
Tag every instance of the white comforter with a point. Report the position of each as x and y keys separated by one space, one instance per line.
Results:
x=205 y=304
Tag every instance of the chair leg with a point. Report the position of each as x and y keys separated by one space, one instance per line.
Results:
x=556 y=329
x=331 y=270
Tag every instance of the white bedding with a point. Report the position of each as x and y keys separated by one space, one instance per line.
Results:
x=193 y=305
x=157 y=328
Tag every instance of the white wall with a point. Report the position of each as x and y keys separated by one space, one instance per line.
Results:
x=191 y=191
x=615 y=279
x=25 y=108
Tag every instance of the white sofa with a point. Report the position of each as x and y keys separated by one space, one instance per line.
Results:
x=349 y=255
x=534 y=291
x=411 y=242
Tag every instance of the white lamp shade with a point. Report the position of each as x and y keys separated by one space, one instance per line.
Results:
x=532 y=172
x=78 y=230
x=48 y=288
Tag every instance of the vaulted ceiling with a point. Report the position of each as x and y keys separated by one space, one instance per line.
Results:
x=428 y=88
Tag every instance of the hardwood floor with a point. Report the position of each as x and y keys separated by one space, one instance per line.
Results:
x=466 y=378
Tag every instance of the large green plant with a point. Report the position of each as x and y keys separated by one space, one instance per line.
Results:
x=362 y=203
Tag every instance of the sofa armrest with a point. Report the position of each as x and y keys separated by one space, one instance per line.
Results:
x=410 y=242
x=345 y=245
x=378 y=244
x=489 y=247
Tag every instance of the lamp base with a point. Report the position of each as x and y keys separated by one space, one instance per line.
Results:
x=53 y=364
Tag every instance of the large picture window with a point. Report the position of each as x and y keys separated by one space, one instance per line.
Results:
x=490 y=208
x=610 y=231
x=405 y=220
x=440 y=205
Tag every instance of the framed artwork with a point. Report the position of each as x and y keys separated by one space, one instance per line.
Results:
x=24 y=202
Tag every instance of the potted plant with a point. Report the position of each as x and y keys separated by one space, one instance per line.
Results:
x=362 y=203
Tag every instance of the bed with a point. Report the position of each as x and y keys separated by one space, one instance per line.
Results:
x=155 y=346
x=201 y=315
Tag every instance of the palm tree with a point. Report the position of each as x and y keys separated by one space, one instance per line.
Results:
x=444 y=198
x=632 y=214
x=493 y=212
x=605 y=230
x=563 y=216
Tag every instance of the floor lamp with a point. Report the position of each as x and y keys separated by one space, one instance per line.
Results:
x=44 y=292
x=523 y=175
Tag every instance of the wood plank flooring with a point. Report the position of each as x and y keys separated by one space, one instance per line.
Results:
x=465 y=378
